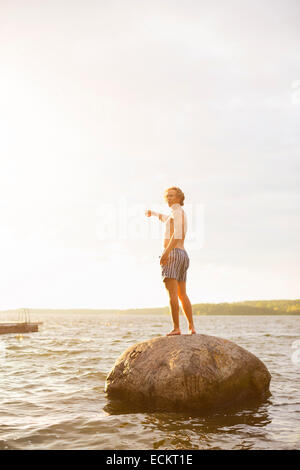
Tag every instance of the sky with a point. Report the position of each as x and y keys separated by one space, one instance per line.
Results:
x=104 y=105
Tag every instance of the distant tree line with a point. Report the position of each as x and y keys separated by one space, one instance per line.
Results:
x=247 y=307
x=251 y=307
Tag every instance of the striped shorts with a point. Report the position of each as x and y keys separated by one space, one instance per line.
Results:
x=176 y=266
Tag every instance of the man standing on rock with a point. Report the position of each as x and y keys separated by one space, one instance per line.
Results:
x=174 y=260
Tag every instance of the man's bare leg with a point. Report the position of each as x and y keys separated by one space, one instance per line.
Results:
x=172 y=288
x=186 y=306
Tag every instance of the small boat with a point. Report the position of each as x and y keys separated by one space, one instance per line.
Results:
x=23 y=325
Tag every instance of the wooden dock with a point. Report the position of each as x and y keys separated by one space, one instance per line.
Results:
x=19 y=327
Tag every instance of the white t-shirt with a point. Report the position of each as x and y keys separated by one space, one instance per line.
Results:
x=176 y=219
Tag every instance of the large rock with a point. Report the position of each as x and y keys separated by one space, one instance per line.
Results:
x=187 y=372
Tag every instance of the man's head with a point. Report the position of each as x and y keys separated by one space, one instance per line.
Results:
x=174 y=195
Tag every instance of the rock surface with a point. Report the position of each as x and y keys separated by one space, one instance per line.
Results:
x=187 y=372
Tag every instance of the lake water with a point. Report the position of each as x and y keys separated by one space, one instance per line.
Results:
x=52 y=386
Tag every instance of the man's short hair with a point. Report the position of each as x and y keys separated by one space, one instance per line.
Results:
x=179 y=194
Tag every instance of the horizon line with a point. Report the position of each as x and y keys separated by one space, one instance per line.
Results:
x=143 y=308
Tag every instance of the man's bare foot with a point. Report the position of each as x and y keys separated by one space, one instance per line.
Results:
x=192 y=331
x=174 y=332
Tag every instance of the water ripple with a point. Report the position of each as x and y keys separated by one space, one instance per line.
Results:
x=52 y=387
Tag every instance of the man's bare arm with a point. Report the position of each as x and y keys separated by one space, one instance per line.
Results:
x=170 y=245
x=161 y=217
x=178 y=233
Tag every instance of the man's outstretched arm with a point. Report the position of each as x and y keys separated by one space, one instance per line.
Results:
x=161 y=217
